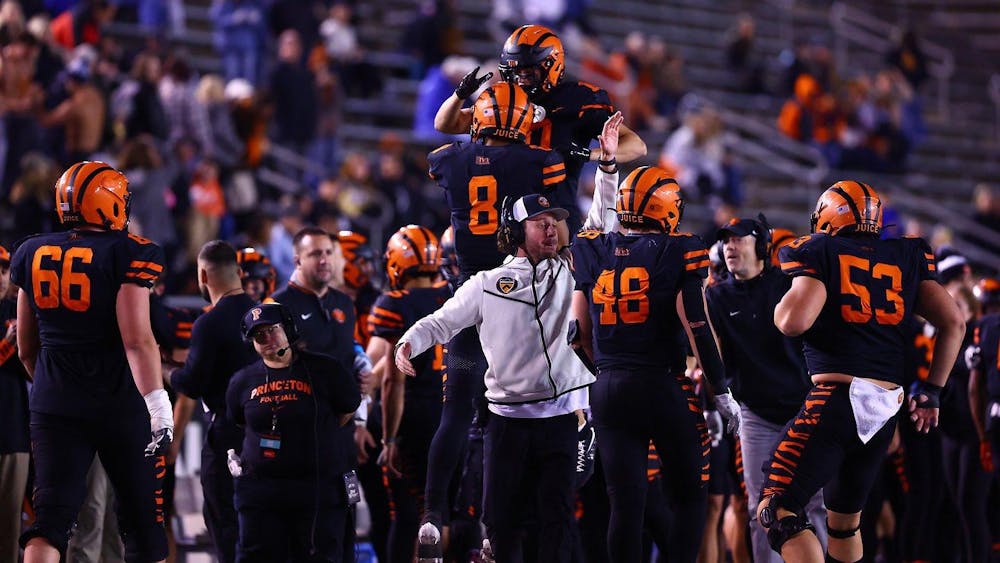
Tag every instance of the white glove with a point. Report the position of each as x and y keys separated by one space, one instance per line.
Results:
x=730 y=410
x=973 y=357
x=715 y=428
x=233 y=461
x=161 y=422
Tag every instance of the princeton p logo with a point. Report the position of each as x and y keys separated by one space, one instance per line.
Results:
x=255 y=313
x=506 y=284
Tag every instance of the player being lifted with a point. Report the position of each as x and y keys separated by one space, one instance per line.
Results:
x=850 y=300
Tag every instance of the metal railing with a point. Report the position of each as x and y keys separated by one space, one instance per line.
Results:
x=922 y=208
x=852 y=25
x=760 y=142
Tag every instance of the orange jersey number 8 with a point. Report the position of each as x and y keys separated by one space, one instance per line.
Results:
x=483 y=198
x=50 y=289
x=633 y=305
x=862 y=312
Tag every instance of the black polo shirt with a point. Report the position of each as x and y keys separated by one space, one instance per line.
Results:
x=325 y=324
x=766 y=369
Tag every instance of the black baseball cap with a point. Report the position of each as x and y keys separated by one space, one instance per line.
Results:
x=740 y=228
x=261 y=315
x=536 y=204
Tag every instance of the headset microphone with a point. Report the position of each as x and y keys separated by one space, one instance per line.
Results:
x=281 y=351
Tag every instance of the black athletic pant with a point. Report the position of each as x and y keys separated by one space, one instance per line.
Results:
x=631 y=408
x=416 y=429
x=217 y=489
x=530 y=468
x=466 y=367
x=63 y=449
x=924 y=477
x=969 y=486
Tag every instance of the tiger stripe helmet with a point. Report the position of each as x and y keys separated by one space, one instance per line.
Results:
x=411 y=251
x=848 y=206
x=780 y=238
x=93 y=193
x=649 y=197
x=988 y=292
x=256 y=265
x=358 y=256
x=503 y=111
x=533 y=46
x=4 y=256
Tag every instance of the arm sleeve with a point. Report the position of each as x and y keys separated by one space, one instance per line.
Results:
x=459 y=312
x=601 y=215
x=18 y=264
x=802 y=257
x=192 y=378
x=595 y=111
x=708 y=352
x=436 y=163
x=144 y=262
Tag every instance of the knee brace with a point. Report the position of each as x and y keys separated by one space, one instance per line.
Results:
x=841 y=534
x=781 y=530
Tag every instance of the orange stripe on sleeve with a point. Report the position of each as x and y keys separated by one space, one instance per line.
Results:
x=695 y=253
x=560 y=167
x=553 y=180
x=147 y=265
x=6 y=351
x=141 y=275
x=697 y=265
x=386 y=313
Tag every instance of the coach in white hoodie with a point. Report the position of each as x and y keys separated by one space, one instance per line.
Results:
x=534 y=381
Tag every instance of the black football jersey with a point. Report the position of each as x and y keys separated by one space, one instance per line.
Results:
x=393 y=314
x=871 y=287
x=919 y=352
x=632 y=284
x=72 y=280
x=574 y=111
x=476 y=179
x=987 y=337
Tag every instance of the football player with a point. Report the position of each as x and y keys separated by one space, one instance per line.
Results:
x=84 y=335
x=259 y=276
x=646 y=303
x=850 y=299
x=574 y=112
x=359 y=268
x=411 y=406
x=984 y=380
x=449 y=258
x=477 y=176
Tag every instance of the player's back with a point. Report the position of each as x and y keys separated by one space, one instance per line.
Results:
x=72 y=281
x=988 y=339
x=872 y=288
x=393 y=314
x=632 y=283
x=476 y=179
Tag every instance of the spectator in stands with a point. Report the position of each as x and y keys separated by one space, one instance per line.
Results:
x=279 y=248
x=328 y=108
x=82 y=23
x=11 y=19
x=149 y=182
x=432 y=36
x=31 y=203
x=293 y=91
x=208 y=205
x=21 y=96
x=187 y=117
x=229 y=148
x=987 y=215
x=859 y=125
x=81 y=114
x=48 y=63
x=696 y=155
x=240 y=37
x=340 y=41
x=667 y=69
x=741 y=59
x=891 y=93
x=909 y=58
x=249 y=119
x=812 y=117
x=301 y=15
x=435 y=88
x=136 y=103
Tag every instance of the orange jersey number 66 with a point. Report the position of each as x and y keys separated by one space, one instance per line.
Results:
x=50 y=289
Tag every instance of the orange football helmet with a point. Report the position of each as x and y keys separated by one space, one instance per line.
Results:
x=779 y=239
x=988 y=292
x=5 y=255
x=649 y=197
x=255 y=265
x=358 y=258
x=93 y=193
x=412 y=250
x=503 y=110
x=533 y=46
x=848 y=206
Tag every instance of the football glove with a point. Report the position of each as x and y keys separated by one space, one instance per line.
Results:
x=579 y=152
x=713 y=420
x=234 y=463
x=930 y=392
x=161 y=422
x=973 y=357
x=586 y=446
x=730 y=410
x=470 y=83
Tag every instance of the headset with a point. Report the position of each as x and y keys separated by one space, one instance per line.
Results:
x=287 y=323
x=762 y=238
x=510 y=233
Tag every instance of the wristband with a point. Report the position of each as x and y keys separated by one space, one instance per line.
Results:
x=387 y=441
x=931 y=393
x=612 y=162
x=161 y=414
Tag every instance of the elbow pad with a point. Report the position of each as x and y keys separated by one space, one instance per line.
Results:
x=704 y=341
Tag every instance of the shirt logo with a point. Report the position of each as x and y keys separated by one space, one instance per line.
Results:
x=733 y=313
x=255 y=313
x=305 y=316
x=338 y=315
x=543 y=201
x=506 y=285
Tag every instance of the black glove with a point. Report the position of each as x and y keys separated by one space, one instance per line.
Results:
x=931 y=393
x=160 y=442
x=470 y=83
x=578 y=152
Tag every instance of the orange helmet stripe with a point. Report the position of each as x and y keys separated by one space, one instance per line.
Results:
x=86 y=181
x=65 y=194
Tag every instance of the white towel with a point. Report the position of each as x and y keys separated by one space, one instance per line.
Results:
x=873 y=406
